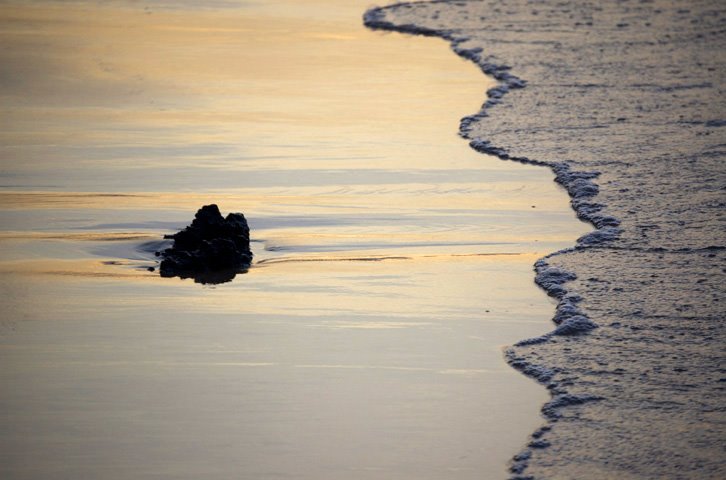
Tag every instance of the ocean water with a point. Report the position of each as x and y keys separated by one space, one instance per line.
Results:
x=624 y=102
x=392 y=262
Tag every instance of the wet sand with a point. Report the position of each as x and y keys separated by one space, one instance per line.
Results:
x=392 y=262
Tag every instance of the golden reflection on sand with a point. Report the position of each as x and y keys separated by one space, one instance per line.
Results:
x=337 y=293
x=170 y=70
x=410 y=195
x=79 y=237
x=78 y=269
x=392 y=261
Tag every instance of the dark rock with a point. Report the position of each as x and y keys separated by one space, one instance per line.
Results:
x=213 y=249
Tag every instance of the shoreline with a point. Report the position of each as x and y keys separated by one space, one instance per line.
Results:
x=579 y=185
x=594 y=379
x=356 y=347
x=551 y=280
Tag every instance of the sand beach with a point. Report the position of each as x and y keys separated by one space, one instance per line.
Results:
x=393 y=263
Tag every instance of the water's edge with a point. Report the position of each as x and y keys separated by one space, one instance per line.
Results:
x=581 y=188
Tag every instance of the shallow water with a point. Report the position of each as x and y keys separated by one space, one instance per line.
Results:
x=392 y=262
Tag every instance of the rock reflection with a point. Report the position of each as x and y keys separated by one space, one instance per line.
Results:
x=209 y=277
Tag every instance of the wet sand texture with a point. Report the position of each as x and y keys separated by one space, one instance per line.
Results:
x=624 y=102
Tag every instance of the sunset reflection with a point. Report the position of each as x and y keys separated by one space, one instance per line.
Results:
x=391 y=261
